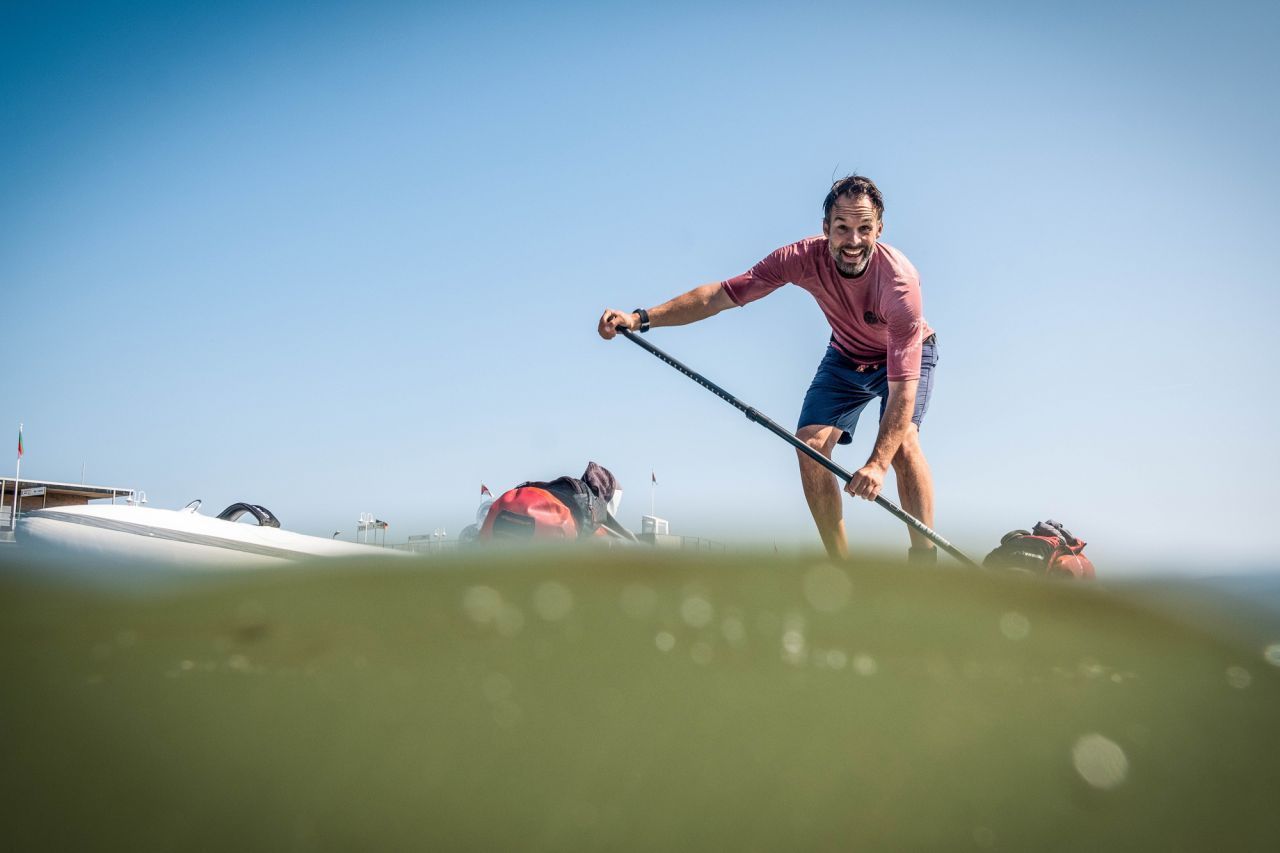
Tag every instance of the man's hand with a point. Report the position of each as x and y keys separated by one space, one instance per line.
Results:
x=869 y=479
x=611 y=321
x=866 y=482
x=698 y=304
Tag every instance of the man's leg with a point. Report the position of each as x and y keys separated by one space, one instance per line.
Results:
x=915 y=484
x=822 y=491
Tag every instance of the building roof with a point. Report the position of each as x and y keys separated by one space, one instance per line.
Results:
x=77 y=490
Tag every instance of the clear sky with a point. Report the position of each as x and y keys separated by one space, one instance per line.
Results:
x=349 y=258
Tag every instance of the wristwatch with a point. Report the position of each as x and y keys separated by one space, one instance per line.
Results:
x=644 y=319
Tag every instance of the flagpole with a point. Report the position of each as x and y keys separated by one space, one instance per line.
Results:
x=653 y=491
x=17 y=483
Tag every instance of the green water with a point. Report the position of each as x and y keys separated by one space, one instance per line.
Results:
x=583 y=701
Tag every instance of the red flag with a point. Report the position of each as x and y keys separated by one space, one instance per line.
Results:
x=484 y=490
x=19 y=441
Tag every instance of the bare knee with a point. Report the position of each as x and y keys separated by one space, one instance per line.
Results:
x=820 y=438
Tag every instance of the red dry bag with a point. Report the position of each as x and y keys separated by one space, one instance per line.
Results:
x=1048 y=549
x=529 y=512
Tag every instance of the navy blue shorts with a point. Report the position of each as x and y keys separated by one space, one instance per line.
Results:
x=839 y=392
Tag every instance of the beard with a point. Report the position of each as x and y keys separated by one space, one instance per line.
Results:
x=851 y=268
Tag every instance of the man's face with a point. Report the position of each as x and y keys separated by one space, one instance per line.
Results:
x=851 y=231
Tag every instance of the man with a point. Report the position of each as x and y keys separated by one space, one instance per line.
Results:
x=880 y=346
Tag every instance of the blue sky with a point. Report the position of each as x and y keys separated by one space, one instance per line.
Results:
x=337 y=259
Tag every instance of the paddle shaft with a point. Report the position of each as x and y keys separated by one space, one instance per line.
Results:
x=764 y=421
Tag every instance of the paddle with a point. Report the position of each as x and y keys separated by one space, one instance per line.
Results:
x=753 y=415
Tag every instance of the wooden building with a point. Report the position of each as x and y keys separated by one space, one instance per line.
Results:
x=39 y=494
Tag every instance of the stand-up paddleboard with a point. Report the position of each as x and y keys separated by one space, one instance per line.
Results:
x=111 y=535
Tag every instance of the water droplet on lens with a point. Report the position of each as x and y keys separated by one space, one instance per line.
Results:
x=734 y=630
x=482 y=604
x=1238 y=677
x=552 y=601
x=1091 y=668
x=1099 y=761
x=696 y=611
x=827 y=588
x=665 y=641
x=793 y=646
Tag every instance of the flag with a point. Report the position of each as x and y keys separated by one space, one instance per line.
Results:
x=19 y=441
x=484 y=490
x=653 y=477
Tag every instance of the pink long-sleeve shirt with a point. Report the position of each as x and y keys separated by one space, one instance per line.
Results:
x=875 y=317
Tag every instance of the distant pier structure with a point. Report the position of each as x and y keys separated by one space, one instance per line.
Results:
x=44 y=494
x=657 y=532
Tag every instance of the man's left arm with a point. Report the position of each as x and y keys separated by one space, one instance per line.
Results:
x=869 y=479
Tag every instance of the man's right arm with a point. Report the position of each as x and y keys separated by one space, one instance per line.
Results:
x=698 y=304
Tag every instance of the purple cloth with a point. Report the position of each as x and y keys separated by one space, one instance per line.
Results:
x=600 y=480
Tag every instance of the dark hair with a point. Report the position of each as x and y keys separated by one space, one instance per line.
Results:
x=853 y=185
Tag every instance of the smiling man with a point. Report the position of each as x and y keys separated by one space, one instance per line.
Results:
x=881 y=347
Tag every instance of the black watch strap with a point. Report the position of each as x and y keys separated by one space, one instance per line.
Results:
x=644 y=319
